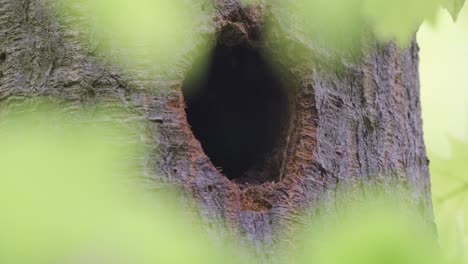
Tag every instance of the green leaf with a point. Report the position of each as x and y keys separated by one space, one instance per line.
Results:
x=374 y=232
x=69 y=193
x=454 y=7
x=144 y=31
x=450 y=195
x=398 y=19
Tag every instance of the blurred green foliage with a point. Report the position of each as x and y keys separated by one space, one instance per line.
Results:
x=454 y=7
x=147 y=33
x=399 y=19
x=343 y=24
x=69 y=194
x=444 y=99
x=450 y=192
x=155 y=32
x=328 y=23
x=371 y=231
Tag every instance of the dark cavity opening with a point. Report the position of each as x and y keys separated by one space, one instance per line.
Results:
x=237 y=109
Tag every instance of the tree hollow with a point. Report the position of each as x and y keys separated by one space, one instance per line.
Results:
x=238 y=110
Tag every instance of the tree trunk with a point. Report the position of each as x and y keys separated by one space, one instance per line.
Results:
x=358 y=126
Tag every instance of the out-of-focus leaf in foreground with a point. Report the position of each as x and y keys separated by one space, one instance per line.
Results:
x=326 y=24
x=454 y=7
x=344 y=25
x=450 y=191
x=368 y=234
x=398 y=19
x=68 y=194
x=150 y=32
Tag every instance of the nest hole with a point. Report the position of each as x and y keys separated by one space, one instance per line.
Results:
x=237 y=108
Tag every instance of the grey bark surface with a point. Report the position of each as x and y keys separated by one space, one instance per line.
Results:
x=360 y=127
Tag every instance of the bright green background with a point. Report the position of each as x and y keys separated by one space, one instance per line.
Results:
x=444 y=93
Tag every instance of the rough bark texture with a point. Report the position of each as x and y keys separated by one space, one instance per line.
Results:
x=359 y=127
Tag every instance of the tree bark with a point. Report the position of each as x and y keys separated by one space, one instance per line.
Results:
x=359 y=126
